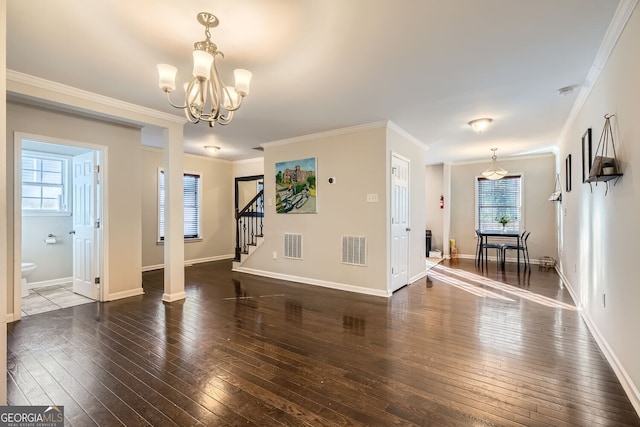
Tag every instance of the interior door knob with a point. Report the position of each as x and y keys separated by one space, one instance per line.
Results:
x=72 y=232
x=408 y=229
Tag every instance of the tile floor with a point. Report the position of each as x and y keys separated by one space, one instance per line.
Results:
x=51 y=298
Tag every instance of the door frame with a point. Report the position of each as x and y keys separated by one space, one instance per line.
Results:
x=101 y=194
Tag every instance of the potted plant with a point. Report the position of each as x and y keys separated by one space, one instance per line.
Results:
x=503 y=219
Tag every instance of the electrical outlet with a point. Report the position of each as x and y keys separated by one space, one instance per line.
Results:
x=275 y=255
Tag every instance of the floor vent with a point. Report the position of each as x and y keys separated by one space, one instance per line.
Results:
x=354 y=250
x=292 y=246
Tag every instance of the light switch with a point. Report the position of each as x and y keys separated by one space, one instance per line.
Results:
x=372 y=197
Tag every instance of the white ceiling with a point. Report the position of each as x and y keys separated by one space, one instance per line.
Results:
x=430 y=66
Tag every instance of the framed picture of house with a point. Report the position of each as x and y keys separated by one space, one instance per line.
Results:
x=567 y=170
x=296 y=186
x=586 y=155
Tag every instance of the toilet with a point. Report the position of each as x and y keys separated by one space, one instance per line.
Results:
x=27 y=269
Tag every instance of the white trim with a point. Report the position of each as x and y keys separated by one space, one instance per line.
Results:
x=174 y=297
x=9 y=318
x=103 y=235
x=15 y=78
x=190 y=262
x=52 y=282
x=616 y=26
x=125 y=294
x=315 y=282
x=623 y=376
x=503 y=159
x=406 y=135
x=383 y=124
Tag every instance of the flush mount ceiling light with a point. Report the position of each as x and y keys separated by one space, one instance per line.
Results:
x=207 y=98
x=567 y=90
x=480 y=124
x=494 y=172
x=212 y=149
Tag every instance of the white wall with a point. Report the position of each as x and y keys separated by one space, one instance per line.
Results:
x=218 y=238
x=539 y=213
x=122 y=177
x=599 y=234
x=54 y=261
x=359 y=160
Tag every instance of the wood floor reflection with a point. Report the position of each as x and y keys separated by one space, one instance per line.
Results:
x=457 y=348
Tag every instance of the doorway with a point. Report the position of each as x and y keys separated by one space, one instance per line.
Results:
x=57 y=223
x=399 y=222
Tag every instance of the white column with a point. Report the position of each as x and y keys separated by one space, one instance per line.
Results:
x=446 y=219
x=4 y=244
x=173 y=214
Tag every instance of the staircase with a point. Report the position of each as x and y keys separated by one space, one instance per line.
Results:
x=249 y=228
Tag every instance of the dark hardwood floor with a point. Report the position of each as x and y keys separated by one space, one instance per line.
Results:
x=459 y=348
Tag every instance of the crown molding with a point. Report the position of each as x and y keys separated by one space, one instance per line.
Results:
x=36 y=87
x=616 y=27
x=383 y=124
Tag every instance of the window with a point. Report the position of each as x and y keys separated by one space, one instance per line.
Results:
x=191 y=188
x=498 y=198
x=44 y=183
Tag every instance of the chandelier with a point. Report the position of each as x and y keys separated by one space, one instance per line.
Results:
x=494 y=172
x=206 y=97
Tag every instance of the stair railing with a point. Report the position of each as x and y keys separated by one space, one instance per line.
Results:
x=249 y=224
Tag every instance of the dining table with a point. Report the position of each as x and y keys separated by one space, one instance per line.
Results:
x=505 y=233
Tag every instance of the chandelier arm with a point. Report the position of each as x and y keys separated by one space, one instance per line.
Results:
x=226 y=119
x=172 y=104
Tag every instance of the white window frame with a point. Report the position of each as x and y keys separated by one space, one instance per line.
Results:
x=198 y=236
x=476 y=207
x=66 y=199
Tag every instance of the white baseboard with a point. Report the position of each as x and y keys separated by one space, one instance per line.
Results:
x=125 y=294
x=174 y=297
x=190 y=262
x=45 y=283
x=315 y=282
x=621 y=373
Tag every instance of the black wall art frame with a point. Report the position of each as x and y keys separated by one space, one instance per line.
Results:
x=567 y=167
x=586 y=155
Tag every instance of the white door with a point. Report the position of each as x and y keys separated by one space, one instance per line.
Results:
x=85 y=231
x=399 y=222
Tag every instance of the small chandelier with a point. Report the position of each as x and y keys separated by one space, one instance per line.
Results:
x=207 y=98
x=494 y=172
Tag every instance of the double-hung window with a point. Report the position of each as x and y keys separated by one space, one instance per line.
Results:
x=497 y=199
x=192 y=195
x=45 y=180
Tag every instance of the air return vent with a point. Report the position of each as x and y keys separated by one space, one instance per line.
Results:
x=292 y=246
x=354 y=250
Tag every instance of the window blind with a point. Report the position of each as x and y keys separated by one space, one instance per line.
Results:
x=191 y=202
x=499 y=198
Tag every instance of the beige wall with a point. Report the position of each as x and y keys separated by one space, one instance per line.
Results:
x=122 y=174
x=360 y=163
x=54 y=261
x=539 y=214
x=218 y=238
x=435 y=215
x=599 y=233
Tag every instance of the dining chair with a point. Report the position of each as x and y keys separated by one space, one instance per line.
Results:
x=520 y=246
x=485 y=246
